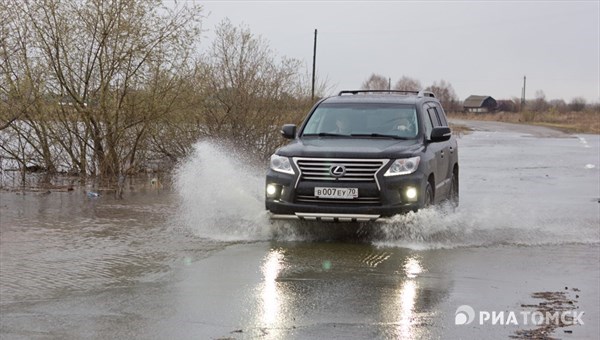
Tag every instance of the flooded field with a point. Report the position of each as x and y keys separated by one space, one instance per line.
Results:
x=200 y=259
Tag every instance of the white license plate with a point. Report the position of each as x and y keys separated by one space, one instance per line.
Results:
x=343 y=193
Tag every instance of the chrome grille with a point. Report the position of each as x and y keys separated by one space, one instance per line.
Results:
x=357 y=201
x=356 y=170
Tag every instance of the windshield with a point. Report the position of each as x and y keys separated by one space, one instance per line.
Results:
x=363 y=120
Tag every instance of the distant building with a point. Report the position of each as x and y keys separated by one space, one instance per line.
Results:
x=507 y=106
x=480 y=104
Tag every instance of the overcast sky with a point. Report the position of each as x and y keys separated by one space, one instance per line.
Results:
x=480 y=47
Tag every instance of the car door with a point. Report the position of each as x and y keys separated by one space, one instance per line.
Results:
x=441 y=151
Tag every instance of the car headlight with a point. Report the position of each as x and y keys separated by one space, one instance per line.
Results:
x=403 y=166
x=281 y=164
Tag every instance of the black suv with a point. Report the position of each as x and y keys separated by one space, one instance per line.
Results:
x=362 y=156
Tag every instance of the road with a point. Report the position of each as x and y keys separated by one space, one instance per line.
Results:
x=201 y=261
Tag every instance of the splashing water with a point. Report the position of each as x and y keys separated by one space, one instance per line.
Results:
x=222 y=198
x=468 y=226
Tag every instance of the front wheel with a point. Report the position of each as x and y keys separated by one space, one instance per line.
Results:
x=428 y=196
x=453 y=193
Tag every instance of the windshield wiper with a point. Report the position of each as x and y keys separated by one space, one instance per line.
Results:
x=381 y=135
x=325 y=134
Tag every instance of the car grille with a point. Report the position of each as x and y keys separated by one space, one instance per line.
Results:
x=355 y=201
x=357 y=170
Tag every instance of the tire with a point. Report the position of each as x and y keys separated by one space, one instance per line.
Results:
x=453 y=196
x=428 y=196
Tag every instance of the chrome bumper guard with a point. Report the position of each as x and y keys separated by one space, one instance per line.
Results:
x=324 y=217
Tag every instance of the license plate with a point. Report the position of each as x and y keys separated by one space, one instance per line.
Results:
x=343 y=193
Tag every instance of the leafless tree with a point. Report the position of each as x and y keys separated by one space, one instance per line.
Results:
x=22 y=92
x=539 y=104
x=246 y=91
x=17 y=89
x=375 y=82
x=558 y=105
x=444 y=91
x=577 y=104
x=101 y=86
x=407 y=84
x=112 y=68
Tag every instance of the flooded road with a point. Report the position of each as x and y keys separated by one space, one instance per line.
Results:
x=201 y=261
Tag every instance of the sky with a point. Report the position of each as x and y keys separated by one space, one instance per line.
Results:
x=480 y=47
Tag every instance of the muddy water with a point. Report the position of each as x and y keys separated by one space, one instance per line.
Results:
x=201 y=260
x=515 y=190
x=58 y=243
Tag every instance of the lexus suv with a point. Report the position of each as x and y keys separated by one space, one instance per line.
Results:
x=364 y=156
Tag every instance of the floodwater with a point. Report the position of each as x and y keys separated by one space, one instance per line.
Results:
x=201 y=260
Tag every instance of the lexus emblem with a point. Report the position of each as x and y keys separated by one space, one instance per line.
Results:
x=337 y=170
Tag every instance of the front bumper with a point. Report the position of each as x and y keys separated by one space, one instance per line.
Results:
x=292 y=198
x=329 y=217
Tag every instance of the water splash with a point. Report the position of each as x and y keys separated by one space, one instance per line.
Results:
x=222 y=198
x=470 y=226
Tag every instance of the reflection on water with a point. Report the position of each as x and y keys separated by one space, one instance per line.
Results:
x=53 y=244
x=407 y=298
x=406 y=303
x=413 y=267
x=270 y=292
x=360 y=286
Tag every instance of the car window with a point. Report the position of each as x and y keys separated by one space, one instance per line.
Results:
x=432 y=113
x=441 y=115
x=427 y=122
x=363 y=119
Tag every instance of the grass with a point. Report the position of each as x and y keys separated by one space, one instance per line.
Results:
x=571 y=122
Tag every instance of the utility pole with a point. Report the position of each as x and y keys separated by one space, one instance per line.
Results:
x=523 y=93
x=389 y=84
x=312 y=93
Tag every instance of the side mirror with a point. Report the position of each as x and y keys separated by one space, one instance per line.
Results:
x=288 y=131
x=440 y=134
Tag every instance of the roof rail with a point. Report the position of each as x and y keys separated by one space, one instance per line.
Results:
x=424 y=93
x=378 y=91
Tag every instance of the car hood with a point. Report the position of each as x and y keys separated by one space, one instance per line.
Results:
x=334 y=147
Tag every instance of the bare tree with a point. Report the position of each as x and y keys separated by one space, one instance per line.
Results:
x=16 y=91
x=246 y=92
x=577 y=104
x=22 y=92
x=113 y=68
x=539 y=104
x=100 y=87
x=558 y=105
x=407 y=84
x=444 y=91
x=375 y=82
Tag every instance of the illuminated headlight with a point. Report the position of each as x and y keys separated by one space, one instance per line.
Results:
x=403 y=166
x=271 y=189
x=274 y=191
x=281 y=164
x=411 y=193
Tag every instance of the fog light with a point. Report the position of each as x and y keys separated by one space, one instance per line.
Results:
x=411 y=193
x=271 y=190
